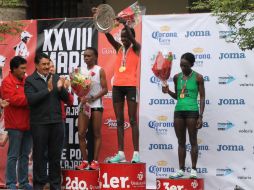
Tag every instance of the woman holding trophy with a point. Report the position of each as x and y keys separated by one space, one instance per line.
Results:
x=125 y=79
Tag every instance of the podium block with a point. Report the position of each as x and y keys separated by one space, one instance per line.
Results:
x=179 y=184
x=80 y=179
x=123 y=176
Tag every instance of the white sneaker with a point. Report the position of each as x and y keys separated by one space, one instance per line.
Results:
x=176 y=175
x=193 y=174
x=117 y=159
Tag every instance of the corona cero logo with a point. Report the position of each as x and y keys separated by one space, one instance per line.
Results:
x=163 y=35
x=200 y=56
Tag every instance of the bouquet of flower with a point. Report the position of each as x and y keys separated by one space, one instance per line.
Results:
x=131 y=14
x=162 y=67
x=80 y=83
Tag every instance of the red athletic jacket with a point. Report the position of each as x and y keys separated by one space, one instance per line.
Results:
x=16 y=115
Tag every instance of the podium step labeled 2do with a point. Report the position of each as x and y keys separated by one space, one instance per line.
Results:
x=179 y=184
x=123 y=176
x=80 y=179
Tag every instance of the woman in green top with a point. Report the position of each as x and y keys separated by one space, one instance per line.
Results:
x=187 y=115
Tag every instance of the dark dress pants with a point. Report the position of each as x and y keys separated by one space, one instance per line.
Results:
x=47 y=138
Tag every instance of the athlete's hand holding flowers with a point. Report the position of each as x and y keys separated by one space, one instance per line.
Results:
x=80 y=85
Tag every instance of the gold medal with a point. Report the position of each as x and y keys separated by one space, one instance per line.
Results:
x=122 y=69
x=182 y=95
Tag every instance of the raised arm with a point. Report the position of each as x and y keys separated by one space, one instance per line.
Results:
x=112 y=41
x=136 y=45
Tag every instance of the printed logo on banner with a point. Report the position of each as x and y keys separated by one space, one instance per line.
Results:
x=108 y=51
x=161 y=125
x=160 y=147
x=226 y=34
x=111 y=124
x=207 y=102
x=205 y=124
x=244 y=175
x=197 y=33
x=223 y=126
x=223 y=171
x=246 y=129
x=157 y=101
x=230 y=148
x=206 y=78
x=163 y=35
x=231 y=101
x=226 y=79
x=153 y=56
x=247 y=83
x=201 y=147
x=199 y=170
x=200 y=56
x=156 y=81
x=160 y=169
x=2 y=60
x=65 y=50
x=232 y=55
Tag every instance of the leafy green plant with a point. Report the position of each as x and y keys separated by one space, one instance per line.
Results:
x=11 y=28
x=11 y=3
x=237 y=14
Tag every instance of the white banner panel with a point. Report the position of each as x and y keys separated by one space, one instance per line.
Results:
x=226 y=146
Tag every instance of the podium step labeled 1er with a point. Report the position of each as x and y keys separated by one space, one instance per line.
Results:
x=179 y=184
x=80 y=179
x=126 y=176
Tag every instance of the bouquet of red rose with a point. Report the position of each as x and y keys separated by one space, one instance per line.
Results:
x=131 y=14
x=162 y=67
x=80 y=85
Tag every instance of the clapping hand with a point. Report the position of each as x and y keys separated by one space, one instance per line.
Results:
x=60 y=82
x=4 y=103
x=50 y=84
x=67 y=84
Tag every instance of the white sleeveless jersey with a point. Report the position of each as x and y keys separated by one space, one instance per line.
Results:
x=94 y=73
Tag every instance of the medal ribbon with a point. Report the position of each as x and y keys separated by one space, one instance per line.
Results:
x=184 y=86
x=124 y=55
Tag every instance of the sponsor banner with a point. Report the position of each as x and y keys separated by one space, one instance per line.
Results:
x=10 y=46
x=123 y=176
x=225 y=137
x=64 y=41
x=80 y=179
x=180 y=184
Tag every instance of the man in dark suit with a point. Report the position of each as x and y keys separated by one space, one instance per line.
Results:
x=44 y=93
